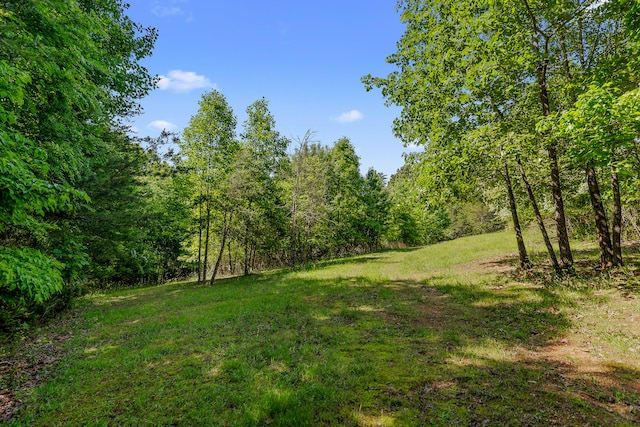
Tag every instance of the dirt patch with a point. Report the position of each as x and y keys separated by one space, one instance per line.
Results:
x=22 y=372
x=503 y=265
x=8 y=405
x=579 y=359
x=434 y=310
x=592 y=373
x=25 y=365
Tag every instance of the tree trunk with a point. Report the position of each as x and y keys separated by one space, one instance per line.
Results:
x=561 y=222
x=200 y=243
x=600 y=216
x=522 y=250
x=206 y=243
x=566 y=257
x=543 y=229
x=246 y=249
x=253 y=258
x=231 y=268
x=617 y=220
x=225 y=231
x=293 y=231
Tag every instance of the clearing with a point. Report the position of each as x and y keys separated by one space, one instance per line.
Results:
x=449 y=334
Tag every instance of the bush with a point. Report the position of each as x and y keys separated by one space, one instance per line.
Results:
x=472 y=218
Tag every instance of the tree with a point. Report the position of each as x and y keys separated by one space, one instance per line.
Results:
x=260 y=167
x=63 y=97
x=376 y=208
x=522 y=250
x=451 y=84
x=539 y=218
x=578 y=39
x=346 y=207
x=209 y=149
x=130 y=186
x=464 y=65
x=601 y=128
x=307 y=200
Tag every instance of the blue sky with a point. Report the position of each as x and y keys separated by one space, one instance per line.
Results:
x=305 y=57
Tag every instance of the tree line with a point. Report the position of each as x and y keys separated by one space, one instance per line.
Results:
x=258 y=199
x=540 y=92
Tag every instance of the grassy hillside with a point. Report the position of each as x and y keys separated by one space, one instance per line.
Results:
x=442 y=335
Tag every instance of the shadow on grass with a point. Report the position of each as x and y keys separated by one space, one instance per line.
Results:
x=401 y=250
x=587 y=273
x=360 y=259
x=348 y=351
x=355 y=259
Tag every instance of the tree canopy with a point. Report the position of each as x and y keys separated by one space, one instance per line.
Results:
x=515 y=67
x=62 y=98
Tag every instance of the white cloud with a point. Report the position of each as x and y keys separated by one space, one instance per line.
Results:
x=163 y=11
x=183 y=81
x=162 y=125
x=169 y=8
x=350 y=116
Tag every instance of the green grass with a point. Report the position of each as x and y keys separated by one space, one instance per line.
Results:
x=441 y=335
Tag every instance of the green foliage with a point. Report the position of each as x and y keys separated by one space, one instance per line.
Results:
x=602 y=128
x=68 y=72
x=474 y=78
x=307 y=200
x=415 y=216
x=376 y=208
x=346 y=207
x=208 y=144
x=129 y=185
x=209 y=151
x=259 y=168
x=28 y=275
x=472 y=218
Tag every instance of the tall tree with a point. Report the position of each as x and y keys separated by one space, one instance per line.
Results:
x=542 y=33
x=601 y=129
x=571 y=42
x=451 y=82
x=376 y=208
x=209 y=149
x=522 y=250
x=64 y=96
x=307 y=200
x=346 y=207
x=539 y=218
x=265 y=151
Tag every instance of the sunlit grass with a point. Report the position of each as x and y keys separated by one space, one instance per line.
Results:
x=441 y=335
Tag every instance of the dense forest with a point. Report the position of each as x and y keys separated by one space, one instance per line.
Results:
x=529 y=112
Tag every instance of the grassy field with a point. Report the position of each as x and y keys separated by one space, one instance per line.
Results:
x=449 y=334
